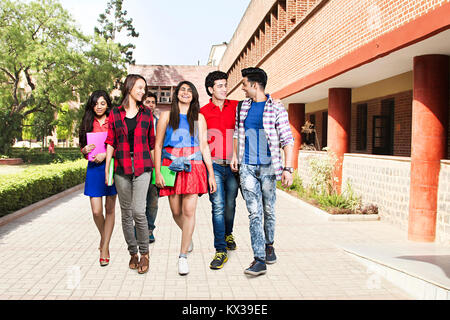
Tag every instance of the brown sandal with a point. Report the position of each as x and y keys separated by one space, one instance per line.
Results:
x=143 y=264
x=134 y=261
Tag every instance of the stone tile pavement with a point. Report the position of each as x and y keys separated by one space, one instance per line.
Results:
x=51 y=253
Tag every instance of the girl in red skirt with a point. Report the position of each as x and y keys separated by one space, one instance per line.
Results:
x=181 y=143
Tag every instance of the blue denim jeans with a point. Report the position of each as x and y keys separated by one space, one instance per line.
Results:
x=258 y=183
x=223 y=203
x=151 y=209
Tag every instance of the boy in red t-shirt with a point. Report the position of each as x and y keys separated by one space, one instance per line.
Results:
x=220 y=115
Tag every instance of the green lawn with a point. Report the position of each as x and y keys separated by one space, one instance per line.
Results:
x=6 y=170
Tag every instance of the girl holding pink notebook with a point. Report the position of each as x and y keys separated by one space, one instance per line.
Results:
x=93 y=132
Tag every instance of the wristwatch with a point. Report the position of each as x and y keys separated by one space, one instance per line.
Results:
x=289 y=169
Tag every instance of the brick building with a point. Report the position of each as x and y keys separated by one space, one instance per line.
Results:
x=373 y=77
x=162 y=80
x=216 y=54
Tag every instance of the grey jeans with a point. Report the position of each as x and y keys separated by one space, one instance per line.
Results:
x=132 y=193
x=152 y=206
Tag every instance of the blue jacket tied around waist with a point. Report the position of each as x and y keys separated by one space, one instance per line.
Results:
x=181 y=163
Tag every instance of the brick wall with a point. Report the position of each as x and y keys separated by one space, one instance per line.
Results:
x=337 y=28
x=381 y=181
x=443 y=208
x=385 y=182
x=256 y=11
x=303 y=164
x=402 y=123
x=378 y=180
x=448 y=133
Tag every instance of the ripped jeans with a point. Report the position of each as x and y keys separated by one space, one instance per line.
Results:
x=258 y=183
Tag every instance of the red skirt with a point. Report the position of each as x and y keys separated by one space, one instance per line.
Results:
x=186 y=182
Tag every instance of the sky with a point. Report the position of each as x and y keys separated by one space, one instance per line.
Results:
x=172 y=32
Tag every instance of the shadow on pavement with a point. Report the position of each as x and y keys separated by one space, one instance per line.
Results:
x=33 y=215
x=442 y=261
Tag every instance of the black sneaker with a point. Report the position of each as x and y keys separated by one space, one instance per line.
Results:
x=256 y=268
x=231 y=245
x=270 y=254
x=219 y=260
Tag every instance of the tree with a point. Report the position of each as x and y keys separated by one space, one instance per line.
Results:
x=43 y=125
x=65 y=122
x=112 y=22
x=45 y=62
x=102 y=67
x=27 y=128
x=39 y=59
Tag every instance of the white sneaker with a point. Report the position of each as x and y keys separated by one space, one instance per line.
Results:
x=191 y=247
x=183 y=267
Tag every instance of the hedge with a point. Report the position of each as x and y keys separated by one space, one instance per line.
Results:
x=37 y=183
x=37 y=156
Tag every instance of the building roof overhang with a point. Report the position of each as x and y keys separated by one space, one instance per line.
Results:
x=385 y=57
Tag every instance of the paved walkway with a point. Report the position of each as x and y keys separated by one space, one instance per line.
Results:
x=52 y=253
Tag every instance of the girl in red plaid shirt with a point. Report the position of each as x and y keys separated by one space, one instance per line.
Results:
x=130 y=139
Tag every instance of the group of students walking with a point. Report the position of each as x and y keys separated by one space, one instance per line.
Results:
x=218 y=149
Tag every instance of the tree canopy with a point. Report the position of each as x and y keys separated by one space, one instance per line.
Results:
x=45 y=61
x=112 y=22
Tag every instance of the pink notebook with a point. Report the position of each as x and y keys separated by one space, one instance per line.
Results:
x=97 y=138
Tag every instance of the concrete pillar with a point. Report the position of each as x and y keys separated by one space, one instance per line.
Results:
x=339 y=121
x=296 y=113
x=428 y=144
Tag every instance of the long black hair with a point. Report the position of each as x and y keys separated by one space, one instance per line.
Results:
x=87 y=124
x=194 y=108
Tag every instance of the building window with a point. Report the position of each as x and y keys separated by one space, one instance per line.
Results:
x=361 y=127
x=164 y=94
x=153 y=90
x=383 y=136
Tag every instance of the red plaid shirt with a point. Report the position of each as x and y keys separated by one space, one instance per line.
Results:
x=144 y=141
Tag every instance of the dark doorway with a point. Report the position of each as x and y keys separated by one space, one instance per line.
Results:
x=324 y=129
x=361 y=127
x=383 y=129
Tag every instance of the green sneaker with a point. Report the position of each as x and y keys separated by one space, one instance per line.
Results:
x=231 y=245
x=151 y=237
x=219 y=260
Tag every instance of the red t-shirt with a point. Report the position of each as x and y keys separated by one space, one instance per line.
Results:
x=220 y=128
x=97 y=127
